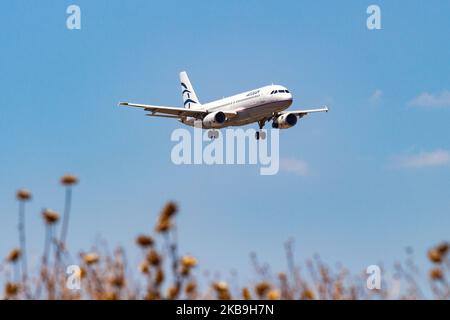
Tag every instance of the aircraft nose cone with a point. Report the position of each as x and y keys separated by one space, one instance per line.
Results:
x=289 y=97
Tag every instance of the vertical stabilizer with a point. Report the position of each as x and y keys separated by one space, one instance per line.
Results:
x=190 y=99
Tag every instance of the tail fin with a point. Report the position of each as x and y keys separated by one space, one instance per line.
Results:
x=190 y=99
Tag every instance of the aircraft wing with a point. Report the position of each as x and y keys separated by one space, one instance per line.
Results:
x=302 y=113
x=173 y=112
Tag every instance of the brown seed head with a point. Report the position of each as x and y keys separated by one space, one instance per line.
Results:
x=190 y=287
x=222 y=290
x=82 y=273
x=144 y=241
x=220 y=286
x=110 y=296
x=50 y=216
x=144 y=267
x=188 y=262
x=185 y=271
x=14 y=255
x=172 y=292
x=262 y=288
x=273 y=295
x=163 y=225
x=11 y=289
x=169 y=210
x=69 y=180
x=436 y=274
x=159 y=278
x=90 y=258
x=154 y=258
x=246 y=294
x=443 y=248
x=152 y=295
x=118 y=281
x=435 y=256
x=307 y=294
x=23 y=195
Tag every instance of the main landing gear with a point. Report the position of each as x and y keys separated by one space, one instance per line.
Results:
x=213 y=134
x=260 y=134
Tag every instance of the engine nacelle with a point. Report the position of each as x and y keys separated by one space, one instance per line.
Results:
x=285 y=121
x=214 y=120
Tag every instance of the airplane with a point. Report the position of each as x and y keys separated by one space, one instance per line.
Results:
x=261 y=105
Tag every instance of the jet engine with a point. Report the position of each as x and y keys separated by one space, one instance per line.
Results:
x=214 y=120
x=284 y=121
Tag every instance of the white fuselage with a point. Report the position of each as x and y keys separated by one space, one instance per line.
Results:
x=250 y=106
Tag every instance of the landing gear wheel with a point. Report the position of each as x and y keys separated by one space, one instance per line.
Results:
x=260 y=135
x=213 y=134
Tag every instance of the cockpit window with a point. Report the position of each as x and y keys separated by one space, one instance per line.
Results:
x=279 y=91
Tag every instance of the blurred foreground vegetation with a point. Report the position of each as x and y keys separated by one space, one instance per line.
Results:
x=165 y=274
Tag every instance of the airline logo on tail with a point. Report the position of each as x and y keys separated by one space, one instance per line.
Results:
x=190 y=99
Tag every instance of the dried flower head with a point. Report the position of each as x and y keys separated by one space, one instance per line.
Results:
x=90 y=258
x=152 y=295
x=169 y=210
x=69 y=180
x=190 y=287
x=11 y=289
x=144 y=241
x=185 y=271
x=14 y=255
x=81 y=273
x=273 y=295
x=144 y=267
x=222 y=290
x=436 y=274
x=172 y=292
x=163 y=225
x=110 y=296
x=220 y=286
x=188 y=262
x=118 y=281
x=159 y=278
x=443 y=248
x=153 y=258
x=307 y=294
x=50 y=216
x=246 y=294
x=435 y=256
x=262 y=288
x=23 y=195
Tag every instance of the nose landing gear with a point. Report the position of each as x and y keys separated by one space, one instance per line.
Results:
x=261 y=134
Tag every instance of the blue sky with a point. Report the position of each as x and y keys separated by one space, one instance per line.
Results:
x=377 y=166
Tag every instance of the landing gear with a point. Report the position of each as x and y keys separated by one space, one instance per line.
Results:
x=213 y=134
x=261 y=134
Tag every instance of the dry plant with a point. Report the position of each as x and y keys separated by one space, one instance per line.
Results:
x=165 y=274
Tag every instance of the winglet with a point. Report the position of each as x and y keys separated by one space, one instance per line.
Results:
x=123 y=104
